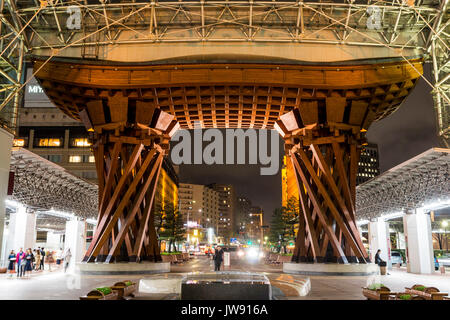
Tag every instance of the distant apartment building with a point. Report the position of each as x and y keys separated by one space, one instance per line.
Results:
x=227 y=206
x=243 y=207
x=199 y=206
x=368 y=165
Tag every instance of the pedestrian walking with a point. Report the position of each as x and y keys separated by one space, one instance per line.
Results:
x=67 y=257
x=37 y=257
x=218 y=258
x=50 y=259
x=42 y=266
x=59 y=256
x=28 y=262
x=12 y=262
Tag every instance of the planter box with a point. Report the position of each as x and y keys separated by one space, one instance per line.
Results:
x=430 y=293
x=97 y=295
x=379 y=294
x=123 y=290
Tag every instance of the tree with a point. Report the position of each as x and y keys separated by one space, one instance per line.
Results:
x=179 y=232
x=284 y=219
x=172 y=228
x=290 y=217
x=158 y=214
x=277 y=229
x=440 y=237
x=397 y=226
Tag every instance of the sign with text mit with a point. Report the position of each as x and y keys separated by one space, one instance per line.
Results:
x=34 y=95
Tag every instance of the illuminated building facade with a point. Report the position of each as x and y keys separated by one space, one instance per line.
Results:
x=199 y=206
x=167 y=188
x=227 y=206
x=368 y=165
x=289 y=187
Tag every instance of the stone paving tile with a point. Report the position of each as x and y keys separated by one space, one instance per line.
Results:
x=58 y=285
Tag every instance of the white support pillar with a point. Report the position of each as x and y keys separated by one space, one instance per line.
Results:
x=53 y=241
x=76 y=241
x=419 y=243
x=6 y=140
x=22 y=230
x=379 y=240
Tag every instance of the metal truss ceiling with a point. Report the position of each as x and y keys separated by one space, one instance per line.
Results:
x=42 y=185
x=410 y=185
x=30 y=25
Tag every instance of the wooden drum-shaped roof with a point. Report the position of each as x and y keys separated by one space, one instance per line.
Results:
x=229 y=95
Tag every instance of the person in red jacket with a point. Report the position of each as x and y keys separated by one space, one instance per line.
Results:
x=20 y=266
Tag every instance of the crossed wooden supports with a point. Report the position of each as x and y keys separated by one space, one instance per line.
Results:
x=325 y=159
x=128 y=158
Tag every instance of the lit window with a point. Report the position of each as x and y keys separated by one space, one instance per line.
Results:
x=49 y=142
x=81 y=142
x=91 y=159
x=75 y=159
x=18 y=142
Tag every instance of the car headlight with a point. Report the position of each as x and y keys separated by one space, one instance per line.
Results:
x=261 y=254
x=240 y=253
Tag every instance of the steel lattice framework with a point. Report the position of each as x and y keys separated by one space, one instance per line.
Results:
x=49 y=28
x=42 y=185
x=410 y=185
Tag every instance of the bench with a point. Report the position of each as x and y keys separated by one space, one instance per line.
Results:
x=271 y=258
x=172 y=258
x=281 y=259
x=186 y=256
x=429 y=293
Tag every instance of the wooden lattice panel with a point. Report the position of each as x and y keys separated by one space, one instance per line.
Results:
x=234 y=95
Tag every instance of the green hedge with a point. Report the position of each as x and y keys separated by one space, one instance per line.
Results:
x=440 y=253
x=170 y=253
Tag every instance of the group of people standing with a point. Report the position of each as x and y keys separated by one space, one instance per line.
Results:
x=24 y=262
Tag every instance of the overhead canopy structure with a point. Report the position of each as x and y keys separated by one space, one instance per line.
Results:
x=421 y=182
x=43 y=186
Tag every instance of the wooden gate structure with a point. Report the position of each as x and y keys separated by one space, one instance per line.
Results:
x=321 y=111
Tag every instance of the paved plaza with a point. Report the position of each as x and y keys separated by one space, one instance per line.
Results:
x=57 y=285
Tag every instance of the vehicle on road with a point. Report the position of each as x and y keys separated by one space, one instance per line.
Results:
x=396 y=258
x=444 y=260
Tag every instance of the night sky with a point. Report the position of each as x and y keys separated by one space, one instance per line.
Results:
x=404 y=134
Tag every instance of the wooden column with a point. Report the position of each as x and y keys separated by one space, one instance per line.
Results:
x=324 y=158
x=129 y=148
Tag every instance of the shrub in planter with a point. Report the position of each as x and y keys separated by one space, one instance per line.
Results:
x=419 y=288
x=404 y=296
x=104 y=290
x=377 y=286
